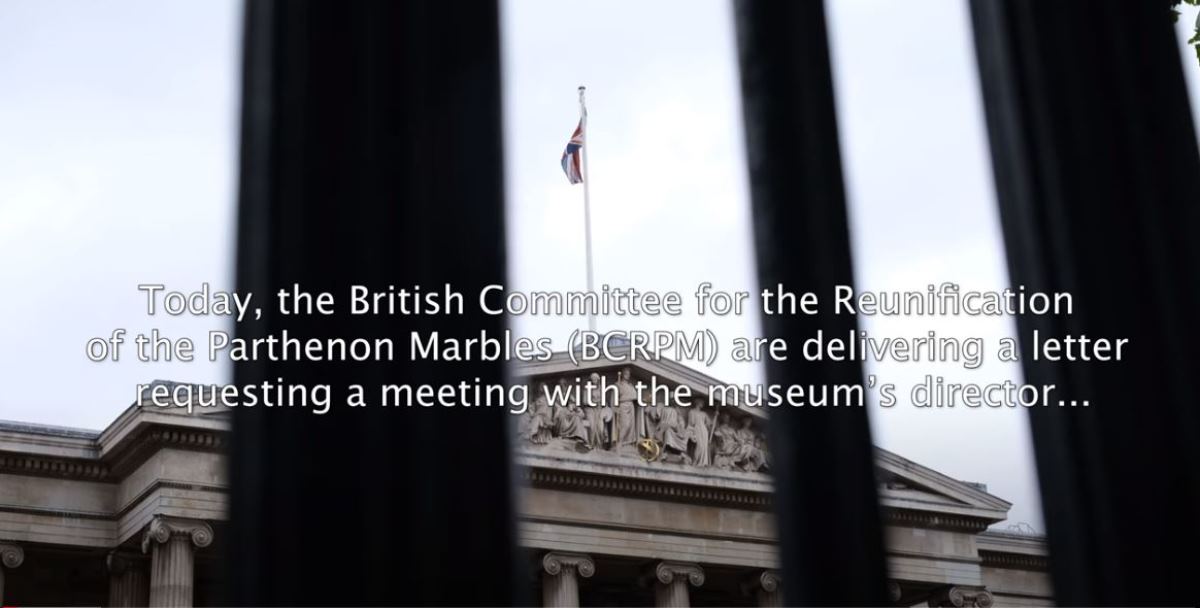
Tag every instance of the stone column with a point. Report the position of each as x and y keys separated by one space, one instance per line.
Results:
x=767 y=587
x=128 y=580
x=560 y=583
x=671 y=590
x=960 y=597
x=11 y=556
x=172 y=562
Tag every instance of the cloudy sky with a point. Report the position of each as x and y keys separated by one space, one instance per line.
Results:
x=117 y=165
x=118 y=154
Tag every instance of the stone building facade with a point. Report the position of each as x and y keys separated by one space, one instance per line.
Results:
x=619 y=506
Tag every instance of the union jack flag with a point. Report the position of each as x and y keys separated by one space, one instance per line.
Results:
x=571 y=156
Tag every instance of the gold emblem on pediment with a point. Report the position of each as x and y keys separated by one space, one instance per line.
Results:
x=649 y=449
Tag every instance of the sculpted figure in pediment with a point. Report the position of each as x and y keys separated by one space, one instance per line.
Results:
x=626 y=414
x=751 y=455
x=570 y=420
x=740 y=447
x=673 y=433
x=724 y=442
x=700 y=431
x=600 y=416
x=537 y=424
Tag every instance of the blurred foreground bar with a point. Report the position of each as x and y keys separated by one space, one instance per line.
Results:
x=828 y=512
x=1098 y=178
x=371 y=154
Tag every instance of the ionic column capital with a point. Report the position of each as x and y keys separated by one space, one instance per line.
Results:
x=770 y=580
x=11 y=555
x=161 y=529
x=960 y=597
x=554 y=562
x=765 y=580
x=766 y=586
x=560 y=583
x=667 y=572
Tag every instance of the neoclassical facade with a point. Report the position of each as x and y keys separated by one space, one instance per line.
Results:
x=619 y=506
x=128 y=516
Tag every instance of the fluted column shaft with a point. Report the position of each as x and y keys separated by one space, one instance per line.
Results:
x=560 y=578
x=128 y=581
x=770 y=599
x=673 y=578
x=129 y=589
x=171 y=573
x=172 y=561
x=560 y=590
x=11 y=556
x=672 y=595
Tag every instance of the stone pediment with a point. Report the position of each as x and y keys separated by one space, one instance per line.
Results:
x=904 y=484
x=720 y=447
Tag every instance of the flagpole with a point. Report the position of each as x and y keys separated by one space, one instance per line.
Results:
x=587 y=202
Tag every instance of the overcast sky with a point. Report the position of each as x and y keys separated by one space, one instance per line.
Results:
x=118 y=125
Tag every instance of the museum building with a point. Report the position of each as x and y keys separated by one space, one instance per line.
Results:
x=619 y=505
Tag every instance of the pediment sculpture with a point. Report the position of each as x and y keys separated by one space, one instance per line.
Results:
x=585 y=421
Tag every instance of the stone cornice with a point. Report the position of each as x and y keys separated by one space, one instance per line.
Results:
x=1015 y=561
x=607 y=484
x=130 y=425
x=59 y=513
x=937 y=521
x=113 y=466
x=624 y=466
x=156 y=437
x=53 y=466
x=40 y=440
